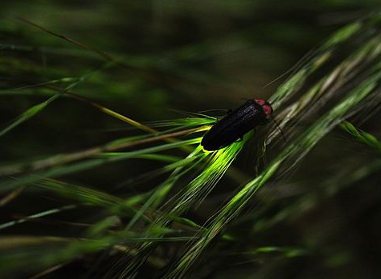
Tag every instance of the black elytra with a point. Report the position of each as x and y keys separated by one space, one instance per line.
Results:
x=236 y=124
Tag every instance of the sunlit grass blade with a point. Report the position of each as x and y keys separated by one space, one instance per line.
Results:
x=213 y=167
x=57 y=169
x=362 y=136
x=28 y=114
x=36 y=216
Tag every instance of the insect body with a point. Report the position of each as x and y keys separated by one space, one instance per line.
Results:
x=237 y=123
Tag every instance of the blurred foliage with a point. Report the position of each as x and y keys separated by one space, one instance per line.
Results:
x=64 y=80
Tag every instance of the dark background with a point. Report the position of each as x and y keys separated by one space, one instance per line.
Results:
x=182 y=56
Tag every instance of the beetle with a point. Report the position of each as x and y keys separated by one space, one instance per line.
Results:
x=236 y=124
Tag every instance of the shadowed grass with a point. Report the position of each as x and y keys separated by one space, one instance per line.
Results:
x=134 y=228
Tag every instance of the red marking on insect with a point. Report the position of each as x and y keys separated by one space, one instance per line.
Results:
x=267 y=109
